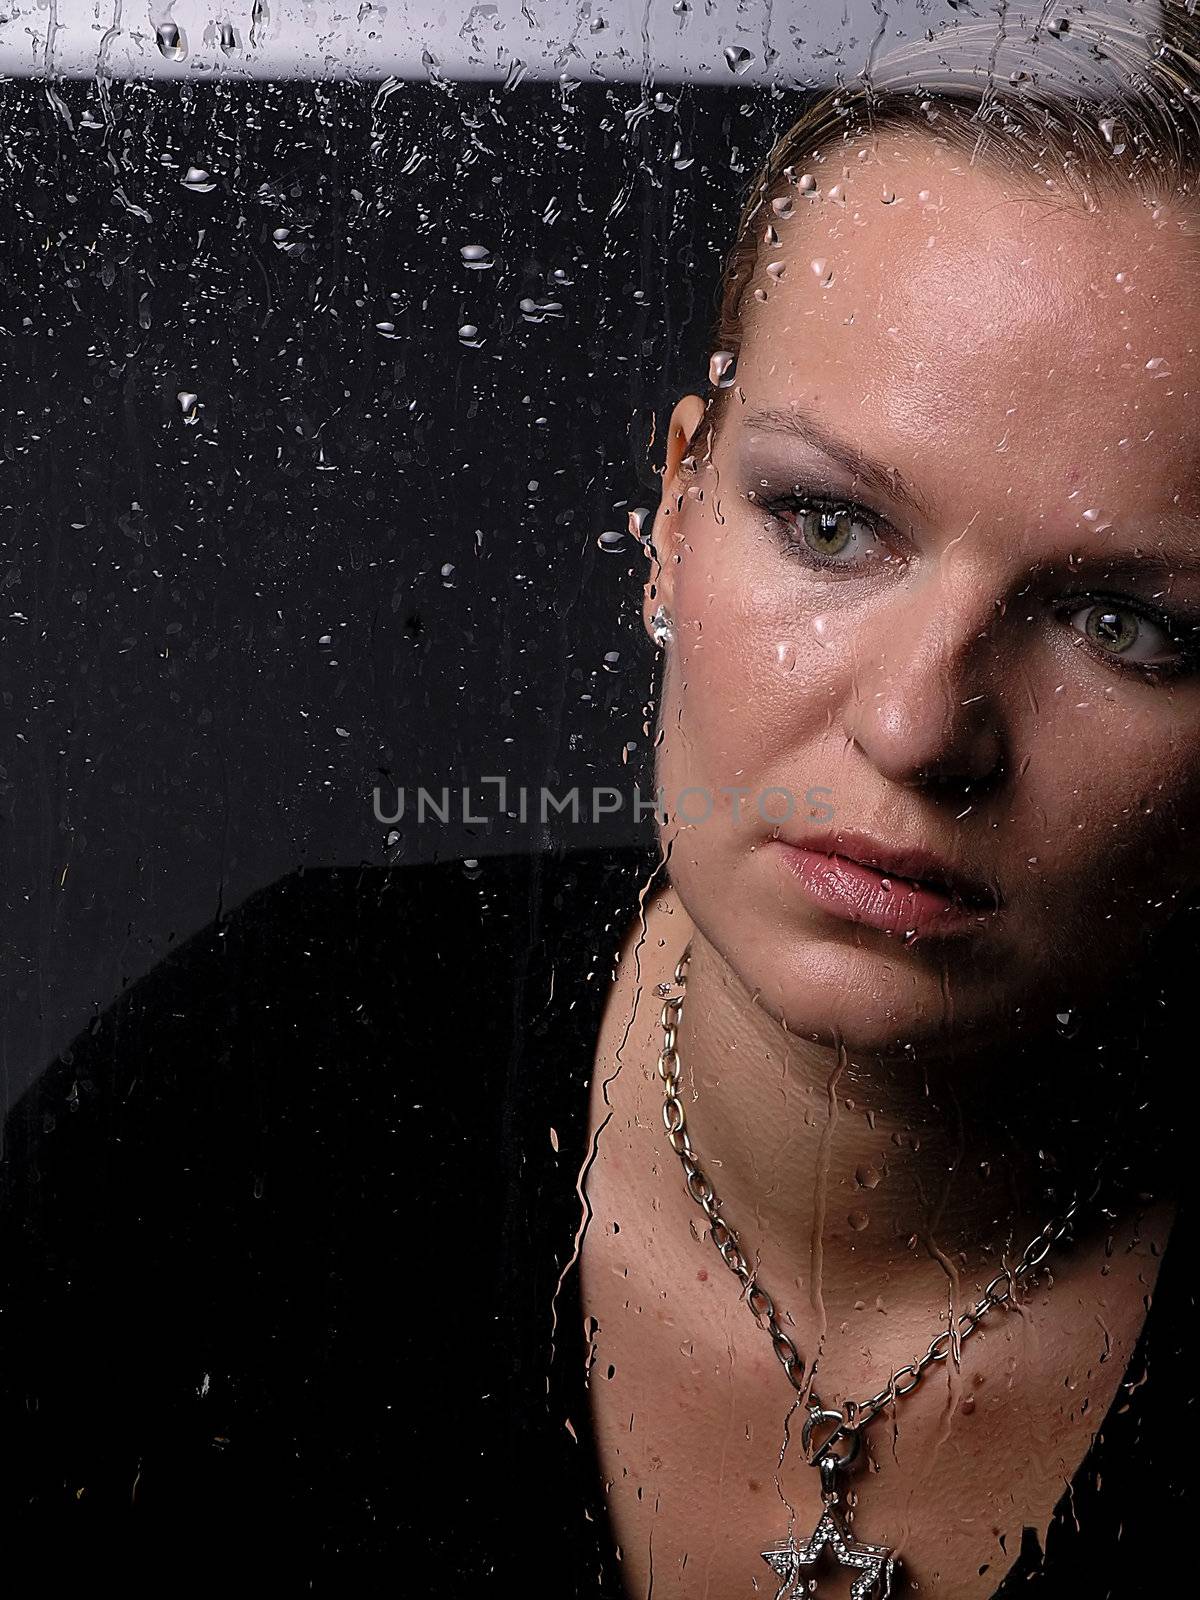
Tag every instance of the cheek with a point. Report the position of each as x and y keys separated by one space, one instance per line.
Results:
x=758 y=668
x=1107 y=797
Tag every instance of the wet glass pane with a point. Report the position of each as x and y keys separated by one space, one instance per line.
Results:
x=601 y=686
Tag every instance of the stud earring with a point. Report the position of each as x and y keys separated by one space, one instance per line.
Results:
x=661 y=630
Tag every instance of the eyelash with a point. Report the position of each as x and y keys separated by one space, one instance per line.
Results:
x=1185 y=637
x=813 y=505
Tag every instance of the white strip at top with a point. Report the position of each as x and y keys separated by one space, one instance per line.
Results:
x=789 y=43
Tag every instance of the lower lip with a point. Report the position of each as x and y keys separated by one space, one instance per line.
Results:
x=865 y=895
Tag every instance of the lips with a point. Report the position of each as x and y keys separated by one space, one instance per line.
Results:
x=901 y=890
x=915 y=865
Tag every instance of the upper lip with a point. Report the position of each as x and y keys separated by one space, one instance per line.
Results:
x=902 y=861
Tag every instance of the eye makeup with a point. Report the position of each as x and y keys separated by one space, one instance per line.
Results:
x=842 y=538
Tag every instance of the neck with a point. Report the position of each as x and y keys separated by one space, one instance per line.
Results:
x=840 y=1170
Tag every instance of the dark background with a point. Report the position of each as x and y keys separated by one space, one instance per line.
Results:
x=219 y=635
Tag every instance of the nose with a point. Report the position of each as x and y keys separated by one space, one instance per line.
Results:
x=926 y=703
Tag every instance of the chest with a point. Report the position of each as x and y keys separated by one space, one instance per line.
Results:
x=698 y=1432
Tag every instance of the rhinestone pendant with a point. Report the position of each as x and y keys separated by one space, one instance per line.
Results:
x=875 y=1568
x=793 y=1563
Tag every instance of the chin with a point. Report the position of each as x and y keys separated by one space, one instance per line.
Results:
x=869 y=1000
x=866 y=991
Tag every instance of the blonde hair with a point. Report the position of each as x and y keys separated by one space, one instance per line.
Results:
x=1096 y=102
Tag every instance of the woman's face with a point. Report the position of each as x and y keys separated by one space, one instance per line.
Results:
x=936 y=603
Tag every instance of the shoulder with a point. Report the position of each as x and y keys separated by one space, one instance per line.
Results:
x=295 y=996
x=294 y=955
x=209 y=1201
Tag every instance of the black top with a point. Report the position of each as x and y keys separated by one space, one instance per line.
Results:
x=281 y=1244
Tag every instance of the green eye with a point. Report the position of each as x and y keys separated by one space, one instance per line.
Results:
x=1112 y=628
x=826 y=533
x=820 y=531
x=1123 y=632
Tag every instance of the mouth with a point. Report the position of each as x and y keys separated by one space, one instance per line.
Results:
x=912 y=893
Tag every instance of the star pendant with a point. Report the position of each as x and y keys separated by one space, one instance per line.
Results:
x=874 y=1563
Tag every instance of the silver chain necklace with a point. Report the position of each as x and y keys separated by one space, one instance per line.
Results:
x=877 y=1569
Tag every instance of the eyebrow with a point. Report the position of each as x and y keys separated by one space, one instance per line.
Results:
x=883 y=480
x=1157 y=564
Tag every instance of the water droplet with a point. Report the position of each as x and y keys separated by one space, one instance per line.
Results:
x=867 y=1177
x=783 y=208
x=229 y=39
x=889 y=197
x=1057 y=27
x=539 y=310
x=198 y=180
x=722 y=369
x=448 y=575
x=737 y=58
x=612 y=661
x=387 y=329
x=476 y=256
x=282 y=239
x=823 y=271
x=638 y=518
x=469 y=334
x=1109 y=128
x=681 y=157
x=189 y=406
x=611 y=541
x=807 y=184
x=858 y=1220
x=1066 y=1024
x=171 y=41
x=837 y=194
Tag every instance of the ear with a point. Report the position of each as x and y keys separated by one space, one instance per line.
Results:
x=681 y=430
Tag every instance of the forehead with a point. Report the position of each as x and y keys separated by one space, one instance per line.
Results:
x=921 y=300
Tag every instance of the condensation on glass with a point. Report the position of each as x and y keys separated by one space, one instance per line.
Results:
x=635 y=977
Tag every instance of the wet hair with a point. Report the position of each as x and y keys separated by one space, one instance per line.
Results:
x=1093 y=102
